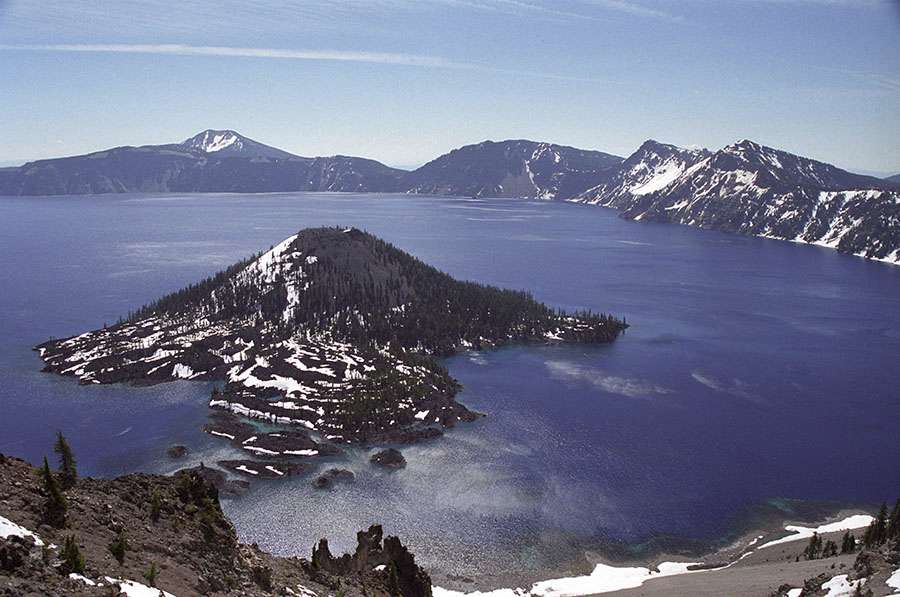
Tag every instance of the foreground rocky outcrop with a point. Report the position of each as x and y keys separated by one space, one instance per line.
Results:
x=172 y=525
x=331 y=334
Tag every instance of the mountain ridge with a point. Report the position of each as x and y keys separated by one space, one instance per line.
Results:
x=749 y=188
x=512 y=168
x=744 y=187
x=210 y=161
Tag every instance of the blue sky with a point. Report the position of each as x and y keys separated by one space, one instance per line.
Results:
x=404 y=81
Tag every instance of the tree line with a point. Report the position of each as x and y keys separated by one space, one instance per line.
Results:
x=366 y=291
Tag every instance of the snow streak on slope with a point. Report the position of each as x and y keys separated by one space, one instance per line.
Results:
x=752 y=189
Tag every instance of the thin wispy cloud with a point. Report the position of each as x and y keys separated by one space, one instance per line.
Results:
x=227 y=51
x=633 y=8
x=388 y=58
x=553 y=10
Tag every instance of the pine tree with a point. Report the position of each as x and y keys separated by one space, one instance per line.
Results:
x=155 y=504
x=814 y=548
x=151 y=574
x=55 y=507
x=893 y=531
x=848 y=543
x=71 y=555
x=881 y=522
x=68 y=472
x=118 y=547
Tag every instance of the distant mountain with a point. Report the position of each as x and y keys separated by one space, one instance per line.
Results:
x=744 y=187
x=515 y=168
x=211 y=161
x=752 y=189
x=226 y=161
x=653 y=166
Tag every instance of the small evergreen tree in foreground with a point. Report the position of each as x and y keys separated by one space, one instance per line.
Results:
x=877 y=532
x=814 y=549
x=155 y=504
x=893 y=530
x=118 y=547
x=68 y=472
x=848 y=543
x=55 y=507
x=71 y=555
x=151 y=574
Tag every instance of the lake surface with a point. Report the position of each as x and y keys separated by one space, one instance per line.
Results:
x=755 y=372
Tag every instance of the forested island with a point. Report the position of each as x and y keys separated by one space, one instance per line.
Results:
x=332 y=332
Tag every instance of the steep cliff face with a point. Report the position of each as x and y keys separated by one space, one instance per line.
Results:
x=175 y=525
x=752 y=189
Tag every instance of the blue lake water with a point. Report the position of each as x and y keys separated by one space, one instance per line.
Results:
x=755 y=371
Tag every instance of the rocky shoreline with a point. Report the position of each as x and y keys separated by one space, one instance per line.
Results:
x=771 y=561
x=142 y=534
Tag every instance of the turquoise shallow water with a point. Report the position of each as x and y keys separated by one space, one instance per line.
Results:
x=751 y=366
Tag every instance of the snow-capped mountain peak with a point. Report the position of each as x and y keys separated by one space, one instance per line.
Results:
x=211 y=141
x=653 y=167
x=228 y=143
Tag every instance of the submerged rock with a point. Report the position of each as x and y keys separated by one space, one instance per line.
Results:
x=220 y=480
x=177 y=451
x=332 y=476
x=390 y=458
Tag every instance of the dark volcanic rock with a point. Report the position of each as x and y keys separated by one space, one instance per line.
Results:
x=258 y=469
x=220 y=480
x=288 y=443
x=392 y=560
x=189 y=539
x=390 y=458
x=332 y=476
